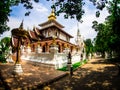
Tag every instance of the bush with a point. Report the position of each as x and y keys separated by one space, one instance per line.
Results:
x=63 y=69
x=2 y=59
x=74 y=66
x=85 y=61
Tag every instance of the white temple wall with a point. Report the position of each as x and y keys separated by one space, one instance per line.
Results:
x=53 y=58
x=59 y=60
x=76 y=58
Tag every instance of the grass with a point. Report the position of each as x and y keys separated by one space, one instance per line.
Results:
x=74 y=66
x=63 y=69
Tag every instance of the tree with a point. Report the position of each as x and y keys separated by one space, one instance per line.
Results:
x=89 y=47
x=5 y=11
x=4 y=49
x=114 y=18
x=108 y=37
x=74 y=8
x=102 y=39
x=71 y=8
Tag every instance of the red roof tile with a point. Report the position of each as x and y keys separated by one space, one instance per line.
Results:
x=32 y=35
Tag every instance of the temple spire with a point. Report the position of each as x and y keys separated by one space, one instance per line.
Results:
x=52 y=15
x=21 y=25
x=78 y=31
x=78 y=38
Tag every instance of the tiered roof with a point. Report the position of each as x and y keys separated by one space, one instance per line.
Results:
x=52 y=22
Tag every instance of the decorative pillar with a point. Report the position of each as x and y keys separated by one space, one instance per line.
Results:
x=60 y=45
x=84 y=54
x=28 y=49
x=69 y=64
x=47 y=47
x=18 y=68
x=18 y=33
x=39 y=49
x=73 y=49
x=42 y=47
x=22 y=51
x=54 y=51
x=61 y=48
x=54 y=48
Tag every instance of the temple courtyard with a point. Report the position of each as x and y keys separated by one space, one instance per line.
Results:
x=97 y=74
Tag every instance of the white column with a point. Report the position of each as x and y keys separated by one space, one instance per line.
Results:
x=28 y=49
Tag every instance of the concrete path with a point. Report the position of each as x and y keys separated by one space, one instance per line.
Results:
x=35 y=75
x=97 y=74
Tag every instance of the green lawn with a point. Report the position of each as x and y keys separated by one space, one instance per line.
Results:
x=74 y=66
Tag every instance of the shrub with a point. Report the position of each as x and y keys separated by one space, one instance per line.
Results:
x=2 y=59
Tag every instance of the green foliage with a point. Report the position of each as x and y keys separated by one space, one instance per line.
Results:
x=5 y=9
x=2 y=59
x=63 y=69
x=108 y=36
x=4 y=49
x=71 y=8
x=74 y=8
x=74 y=66
x=89 y=46
x=4 y=13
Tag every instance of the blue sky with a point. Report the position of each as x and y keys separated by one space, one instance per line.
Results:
x=41 y=11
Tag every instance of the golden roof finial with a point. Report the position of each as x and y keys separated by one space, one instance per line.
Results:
x=52 y=15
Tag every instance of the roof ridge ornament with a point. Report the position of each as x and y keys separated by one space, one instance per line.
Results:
x=52 y=16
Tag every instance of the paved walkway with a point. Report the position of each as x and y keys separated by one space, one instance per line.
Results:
x=97 y=74
x=35 y=75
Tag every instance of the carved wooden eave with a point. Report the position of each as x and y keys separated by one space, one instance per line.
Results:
x=36 y=30
x=38 y=33
x=33 y=36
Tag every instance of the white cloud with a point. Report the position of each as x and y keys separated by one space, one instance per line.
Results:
x=39 y=7
x=38 y=14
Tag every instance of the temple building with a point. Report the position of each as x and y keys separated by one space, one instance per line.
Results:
x=50 y=30
x=41 y=42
